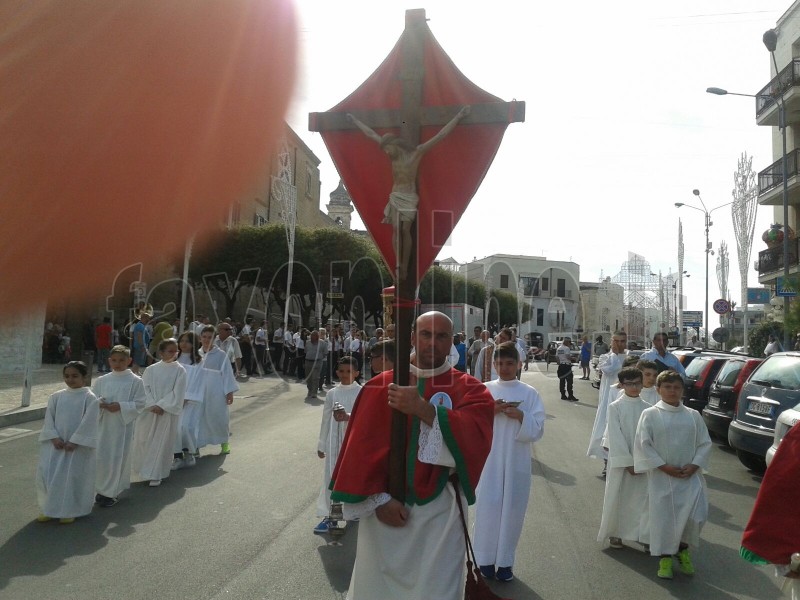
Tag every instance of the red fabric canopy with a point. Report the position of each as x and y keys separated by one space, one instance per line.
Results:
x=773 y=531
x=449 y=174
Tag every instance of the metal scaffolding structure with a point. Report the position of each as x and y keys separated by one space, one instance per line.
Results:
x=643 y=297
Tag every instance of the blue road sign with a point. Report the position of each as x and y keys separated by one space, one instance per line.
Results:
x=758 y=295
x=693 y=318
x=785 y=288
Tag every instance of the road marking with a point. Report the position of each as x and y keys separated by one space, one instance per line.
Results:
x=10 y=434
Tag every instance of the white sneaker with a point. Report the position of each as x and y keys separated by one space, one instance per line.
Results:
x=189 y=461
x=155 y=483
x=178 y=463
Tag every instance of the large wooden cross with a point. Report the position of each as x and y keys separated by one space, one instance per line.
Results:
x=409 y=119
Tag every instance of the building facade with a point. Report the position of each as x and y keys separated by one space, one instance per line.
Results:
x=291 y=179
x=601 y=307
x=551 y=287
x=783 y=88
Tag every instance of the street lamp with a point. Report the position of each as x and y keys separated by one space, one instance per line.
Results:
x=770 y=39
x=709 y=223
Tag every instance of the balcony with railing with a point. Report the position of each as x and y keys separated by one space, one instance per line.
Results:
x=770 y=261
x=770 y=181
x=785 y=84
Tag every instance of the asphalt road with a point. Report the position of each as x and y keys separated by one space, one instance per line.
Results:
x=239 y=526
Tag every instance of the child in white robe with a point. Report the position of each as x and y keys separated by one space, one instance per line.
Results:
x=672 y=447
x=154 y=437
x=505 y=484
x=625 y=505
x=332 y=430
x=189 y=425
x=649 y=371
x=121 y=396
x=218 y=384
x=66 y=470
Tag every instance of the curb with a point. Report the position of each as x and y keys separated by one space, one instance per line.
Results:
x=22 y=416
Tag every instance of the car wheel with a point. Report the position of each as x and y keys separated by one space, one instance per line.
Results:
x=752 y=461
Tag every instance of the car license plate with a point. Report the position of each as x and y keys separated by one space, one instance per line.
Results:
x=713 y=402
x=760 y=408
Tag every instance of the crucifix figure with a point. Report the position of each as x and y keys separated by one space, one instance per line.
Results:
x=401 y=210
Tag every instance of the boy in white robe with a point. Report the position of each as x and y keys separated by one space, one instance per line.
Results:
x=66 y=469
x=672 y=447
x=505 y=484
x=625 y=505
x=649 y=371
x=157 y=426
x=335 y=414
x=609 y=365
x=219 y=384
x=121 y=396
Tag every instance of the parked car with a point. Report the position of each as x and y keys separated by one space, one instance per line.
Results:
x=786 y=420
x=700 y=374
x=686 y=354
x=724 y=391
x=773 y=387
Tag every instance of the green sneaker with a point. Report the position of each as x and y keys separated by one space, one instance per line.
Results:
x=685 y=562
x=665 y=568
x=226 y=448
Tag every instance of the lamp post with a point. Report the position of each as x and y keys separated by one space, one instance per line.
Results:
x=770 y=39
x=709 y=223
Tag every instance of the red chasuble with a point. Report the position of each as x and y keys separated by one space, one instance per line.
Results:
x=363 y=466
x=773 y=532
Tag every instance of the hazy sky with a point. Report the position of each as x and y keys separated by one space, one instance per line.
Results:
x=619 y=126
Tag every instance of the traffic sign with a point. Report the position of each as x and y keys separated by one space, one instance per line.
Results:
x=692 y=318
x=721 y=335
x=785 y=288
x=758 y=295
x=721 y=306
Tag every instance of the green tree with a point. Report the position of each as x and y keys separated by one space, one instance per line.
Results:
x=236 y=259
x=759 y=336
x=441 y=286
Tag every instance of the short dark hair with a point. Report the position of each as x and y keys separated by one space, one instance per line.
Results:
x=78 y=365
x=208 y=328
x=646 y=364
x=348 y=361
x=506 y=350
x=661 y=334
x=385 y=348
x=629 y=374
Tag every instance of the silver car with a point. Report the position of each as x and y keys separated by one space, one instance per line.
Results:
x=786 y=420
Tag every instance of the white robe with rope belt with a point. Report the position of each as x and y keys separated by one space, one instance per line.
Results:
x=677 y=436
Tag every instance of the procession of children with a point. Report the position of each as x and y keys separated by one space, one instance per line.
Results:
x=96 y=441
x=127 y=428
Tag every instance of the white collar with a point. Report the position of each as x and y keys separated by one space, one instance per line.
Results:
x=428 y=373
x=664 y=406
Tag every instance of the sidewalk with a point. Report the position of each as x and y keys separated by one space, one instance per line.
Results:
x=48 y=379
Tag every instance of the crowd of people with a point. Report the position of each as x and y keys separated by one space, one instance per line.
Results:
x=469 y=441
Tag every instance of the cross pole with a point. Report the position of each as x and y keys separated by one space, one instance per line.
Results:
x=410 y=118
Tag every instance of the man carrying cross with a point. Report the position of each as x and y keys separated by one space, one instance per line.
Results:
x=401 y=209
x=414 y=550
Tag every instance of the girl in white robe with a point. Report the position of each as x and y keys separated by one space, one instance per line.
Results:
x=219 y=384
x=625 y=506
x=505 y=484
x=157 y=426
x=66 y=470
x=672 y=447
x=331 y=431
x=121 y=396
x=189 y=425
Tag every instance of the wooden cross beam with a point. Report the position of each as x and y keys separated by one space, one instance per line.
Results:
x=410 y=118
